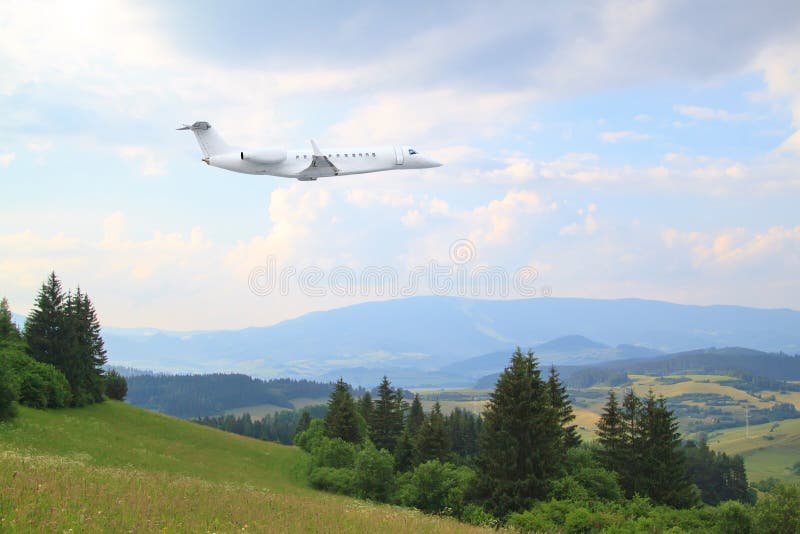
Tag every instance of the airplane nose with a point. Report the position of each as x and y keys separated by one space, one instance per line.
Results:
x=430 y=163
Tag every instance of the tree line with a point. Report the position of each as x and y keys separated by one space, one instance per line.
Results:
x=57 y=359
x=198 y=395
x=526 y=466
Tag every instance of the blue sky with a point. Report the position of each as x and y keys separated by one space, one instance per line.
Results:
x=620 y=149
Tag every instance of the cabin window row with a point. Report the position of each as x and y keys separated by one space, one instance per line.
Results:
x=354 y=155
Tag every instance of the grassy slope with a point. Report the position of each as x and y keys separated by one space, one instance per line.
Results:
x=114 y=468
x=770 y=450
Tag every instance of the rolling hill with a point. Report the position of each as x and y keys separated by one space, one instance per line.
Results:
x=428 y=333
x=116 y=468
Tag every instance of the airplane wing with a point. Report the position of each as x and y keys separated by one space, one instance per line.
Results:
x=320 y=165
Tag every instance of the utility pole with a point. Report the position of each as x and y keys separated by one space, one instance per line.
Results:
x=747 y=420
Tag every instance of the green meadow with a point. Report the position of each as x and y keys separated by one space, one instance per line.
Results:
x=115 y=468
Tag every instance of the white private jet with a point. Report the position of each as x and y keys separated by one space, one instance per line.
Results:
x=305 y=165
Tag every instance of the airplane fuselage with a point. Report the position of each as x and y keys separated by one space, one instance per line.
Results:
x=351 y=160
x=304 y=164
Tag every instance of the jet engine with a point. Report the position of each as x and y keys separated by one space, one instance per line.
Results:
x=268 y=156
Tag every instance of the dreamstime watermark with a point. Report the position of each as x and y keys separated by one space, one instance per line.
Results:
x=457 y=278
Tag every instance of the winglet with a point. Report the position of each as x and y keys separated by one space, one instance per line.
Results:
x=315 y=148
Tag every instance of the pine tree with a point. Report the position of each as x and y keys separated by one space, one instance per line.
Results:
x=45 y=328
x=432 y=441
x=366 y=406
x=8 y=328
x=404 y=452
x=521 y=448
x=559 y=398
x=416 y=417
x=664 y=462
x=341 y=419
x=87 y=350
x=631 y=473
x=611 y=435
x=386 y=424
x=304 y=423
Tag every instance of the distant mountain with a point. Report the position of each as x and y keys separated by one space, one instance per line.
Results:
x=572 y=350
x=775 y=366
x=426 y=334
x=573 y=343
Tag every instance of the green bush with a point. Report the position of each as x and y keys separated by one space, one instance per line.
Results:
x=568 y=489
x=8 y=394
x=734 y=517
x=374 y=473
x=116 y=386
x=311 y=438
x=337 y=480
x=778 y=512
x=335 y=453
x=39 y=385
x=436 y=487
x=599 y=483
x=545 y=516
x=476 y=515
x=578 y=521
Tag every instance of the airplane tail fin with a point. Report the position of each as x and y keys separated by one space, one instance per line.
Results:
x=211 y=143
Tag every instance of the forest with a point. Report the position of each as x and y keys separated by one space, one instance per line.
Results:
x=58 y=359
x=525 y=466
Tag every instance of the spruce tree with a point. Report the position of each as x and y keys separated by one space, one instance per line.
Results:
x=664 y=462
x=87 y=350
x=8 y=328
x=304 y=423
x=521 y=449
x=366 y=406
x=341 y=419
x=611 y=435
x=45 y=328
x=386 y=424
x=416 y=417
x=432 y=440
x=404 y=451
x=559 y=398
x=631 y=473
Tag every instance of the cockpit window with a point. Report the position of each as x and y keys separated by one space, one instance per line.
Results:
x=412 y=151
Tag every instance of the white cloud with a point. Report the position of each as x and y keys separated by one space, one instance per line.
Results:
x=151 y=163
x=438 y=206
x=365 y=197
x=738 y=247
x=7 y=158
x=614 y=137
x=703 y=113
x=411 y=218
x=589 y=225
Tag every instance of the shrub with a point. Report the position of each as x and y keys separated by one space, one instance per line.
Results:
x=543 y=517
x=778 y=512
x=568 y=489
x=39 y=385
x=116 y=385
x=311 y=438
x=599 y=483
x=578 y=521
x=476 y=515
x=335 y=453
x=734 y=517
x=436 y=487
x=337 y=480
x=374 y=473
x=8 y=394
